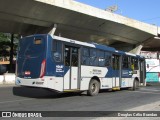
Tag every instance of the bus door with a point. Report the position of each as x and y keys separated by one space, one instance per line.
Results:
x=71 y=77
x=116 y=70
x=142 y=71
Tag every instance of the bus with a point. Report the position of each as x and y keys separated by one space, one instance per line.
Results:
x=66 y=65
x=152 y=66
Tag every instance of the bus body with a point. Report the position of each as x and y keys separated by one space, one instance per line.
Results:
x=65 y=65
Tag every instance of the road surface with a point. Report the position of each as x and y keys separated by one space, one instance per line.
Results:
x=15 y=98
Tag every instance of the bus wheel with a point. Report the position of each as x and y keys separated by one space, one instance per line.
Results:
x=94 y=87
x=135 y=85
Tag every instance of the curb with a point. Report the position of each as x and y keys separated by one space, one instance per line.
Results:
x=7 y=85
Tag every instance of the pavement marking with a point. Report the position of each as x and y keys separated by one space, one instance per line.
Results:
x=144 y=92
x=149 y=89
x=15 y=101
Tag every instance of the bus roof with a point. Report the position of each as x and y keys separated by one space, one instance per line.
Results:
x=91 y=44
x=94 y=45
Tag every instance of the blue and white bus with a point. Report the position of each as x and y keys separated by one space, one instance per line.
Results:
x=66 y=65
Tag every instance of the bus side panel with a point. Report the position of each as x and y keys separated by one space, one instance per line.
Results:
x=90 y=71
x=87 y=72
x=126 y=78
x=127 y=82
x=85 y=83
x=54 y=66
x=55 y=83
x=67 y=77
x=106 y=83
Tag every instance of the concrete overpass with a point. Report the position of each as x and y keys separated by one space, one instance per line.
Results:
x=77 y=21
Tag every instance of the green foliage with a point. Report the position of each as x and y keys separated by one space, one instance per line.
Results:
x=4 y=37
x=5 y=42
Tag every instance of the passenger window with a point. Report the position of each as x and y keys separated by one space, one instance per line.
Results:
x=115 y=62
x=134 y=64
x=85 y=52
x=57 y=57
x=74 y=56
x=126 y=62
x=101 y=59
x=67 y=56
x=57 y=51
x=107 y=59
x=85 y=56
x=93 y=57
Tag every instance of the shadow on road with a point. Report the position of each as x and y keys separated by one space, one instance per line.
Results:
x=40 y=93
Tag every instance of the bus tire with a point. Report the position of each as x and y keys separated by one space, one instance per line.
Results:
x=94 y=87
x=135 y=85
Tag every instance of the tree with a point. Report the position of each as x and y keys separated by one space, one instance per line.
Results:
x=5 y=42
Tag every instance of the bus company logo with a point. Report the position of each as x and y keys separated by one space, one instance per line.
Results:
x=39 y=83
x=59 y=68
x=6 y=114
x=125 y=72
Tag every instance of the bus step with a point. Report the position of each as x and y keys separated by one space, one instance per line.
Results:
x=72 y=90
x=116 y=88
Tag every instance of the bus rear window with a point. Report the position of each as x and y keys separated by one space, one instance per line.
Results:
x=31 y=46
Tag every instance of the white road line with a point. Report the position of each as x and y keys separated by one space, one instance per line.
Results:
x=149 y=89
x=145 y=92
x=15 y=101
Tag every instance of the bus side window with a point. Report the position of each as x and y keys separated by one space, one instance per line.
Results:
x=101 y=58
x=67 y=56
x=107 y=59
x=85 y=56
x=136 y=67
x=93 y=57
x=115 y=62
x=126 y=62
x=134 y=64
x=74 y=56
x=57 y=50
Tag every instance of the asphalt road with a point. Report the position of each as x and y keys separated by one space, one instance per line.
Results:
x=14 y=98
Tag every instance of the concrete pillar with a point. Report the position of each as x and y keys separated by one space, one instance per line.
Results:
x=11 y=53
x=137 y=49
x=53 y=30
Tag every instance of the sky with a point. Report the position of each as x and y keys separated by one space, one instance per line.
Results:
x=147 y=11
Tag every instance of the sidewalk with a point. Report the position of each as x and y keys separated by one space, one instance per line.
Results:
x=7 y=79
x=7 y=85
